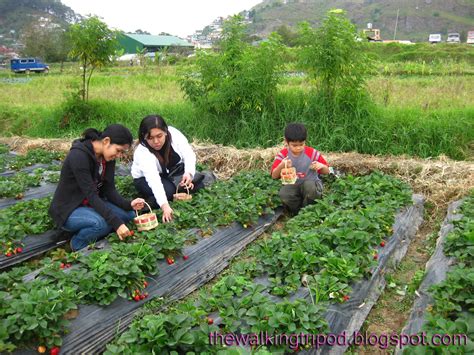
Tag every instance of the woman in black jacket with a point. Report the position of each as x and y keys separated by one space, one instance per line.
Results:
x=86 y=201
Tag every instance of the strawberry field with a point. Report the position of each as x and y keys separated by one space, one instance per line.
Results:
x=318 y=272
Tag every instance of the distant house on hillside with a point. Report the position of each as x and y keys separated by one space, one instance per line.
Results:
x=133 y=42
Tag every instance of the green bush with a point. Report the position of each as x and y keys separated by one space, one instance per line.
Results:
x=240 y=79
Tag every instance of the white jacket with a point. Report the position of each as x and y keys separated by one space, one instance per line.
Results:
x=145 y=164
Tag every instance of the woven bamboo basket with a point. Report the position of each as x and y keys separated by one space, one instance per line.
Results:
x=146 y=221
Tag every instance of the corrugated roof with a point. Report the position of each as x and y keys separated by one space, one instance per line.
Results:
x=150 y=40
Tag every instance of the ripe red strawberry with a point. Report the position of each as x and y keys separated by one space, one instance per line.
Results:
x=376 y=256
x=185 y=257
x=19 y=250
x=142 y=296
x=145 y=284
x=382 y=243
x=170 y=261
x=62 y=266
x=54 y=351
x=210 y=321
x=132 y=233
x=346 y=298
x=8 y=254
x=136 y=298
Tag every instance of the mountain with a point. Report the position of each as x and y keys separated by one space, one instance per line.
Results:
x=416 y=18
x=18 y=15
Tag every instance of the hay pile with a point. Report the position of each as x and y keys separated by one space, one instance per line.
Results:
x=440 y=180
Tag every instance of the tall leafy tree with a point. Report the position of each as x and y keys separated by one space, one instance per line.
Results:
x=333 y=56
x=94 y=44
x=239 y=78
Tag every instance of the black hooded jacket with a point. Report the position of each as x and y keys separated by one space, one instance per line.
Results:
x=78 y=181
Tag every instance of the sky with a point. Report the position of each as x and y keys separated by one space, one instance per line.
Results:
x=176 y=17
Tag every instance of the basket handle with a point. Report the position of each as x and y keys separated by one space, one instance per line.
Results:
x=186 y=186
x=136 y=211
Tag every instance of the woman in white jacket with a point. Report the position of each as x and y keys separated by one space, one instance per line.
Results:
x=162 y=161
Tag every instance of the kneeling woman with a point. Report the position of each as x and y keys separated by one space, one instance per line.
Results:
x=163 y=161
x=86 y=201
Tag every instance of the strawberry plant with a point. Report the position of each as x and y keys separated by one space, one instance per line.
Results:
x=24 y=218
x=118 y=272
x=34 y=313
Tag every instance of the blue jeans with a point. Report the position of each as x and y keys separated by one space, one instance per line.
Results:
x=91 y=226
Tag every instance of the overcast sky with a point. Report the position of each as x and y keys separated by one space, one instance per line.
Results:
x=177 y=17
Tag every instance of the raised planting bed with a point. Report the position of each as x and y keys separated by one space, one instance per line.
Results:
x=337 y=249
x=117 y=272
x=443 y=312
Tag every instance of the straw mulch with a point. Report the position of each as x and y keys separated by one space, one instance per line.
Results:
x=440 y=180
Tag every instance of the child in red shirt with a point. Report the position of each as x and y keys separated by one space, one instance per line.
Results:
x=309 y=164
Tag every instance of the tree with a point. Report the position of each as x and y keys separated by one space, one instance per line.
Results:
x=288 y=36
x=240 y=78
x=332 y=55
x=94 y=44
x=48 y=43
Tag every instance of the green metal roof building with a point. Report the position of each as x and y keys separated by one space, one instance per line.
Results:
x=131 y=42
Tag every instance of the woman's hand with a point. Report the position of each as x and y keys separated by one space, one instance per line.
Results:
x=138 y=204
x=123 y=232
x=187 y=180
x=167 y=213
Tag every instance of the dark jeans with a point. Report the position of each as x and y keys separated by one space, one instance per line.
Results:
x=89 y=226
x=170 y=189
x=300 y=194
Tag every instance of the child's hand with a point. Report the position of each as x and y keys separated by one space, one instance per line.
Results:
x=315 y=165
x=123 y=232
x=286 y=163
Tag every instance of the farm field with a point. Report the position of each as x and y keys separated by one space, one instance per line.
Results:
x=232 y=262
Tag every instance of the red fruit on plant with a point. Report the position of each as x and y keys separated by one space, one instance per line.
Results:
x=8 y=254
x=382 y=243
x=210 y=320
x=62 y=266
x=19 y=250
x=136 y=298
x=132 y=233
x=185 y=257
x=54 y=351
x=170 y=261
x=376 y=256
x=142 y=297
x=68 y=265
x=346 y=298
x=145 y=284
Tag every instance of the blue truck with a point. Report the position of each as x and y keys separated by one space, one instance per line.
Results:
x=27 y=65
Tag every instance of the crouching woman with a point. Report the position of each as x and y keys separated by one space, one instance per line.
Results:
x=86 y=201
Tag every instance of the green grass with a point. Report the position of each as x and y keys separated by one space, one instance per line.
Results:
x=414 y=115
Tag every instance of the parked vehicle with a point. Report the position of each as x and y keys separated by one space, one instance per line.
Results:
x=26 y=65
x=470 y=37
x=434 y=38
x=453 y=38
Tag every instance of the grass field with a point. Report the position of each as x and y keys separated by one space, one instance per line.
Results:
x=421 y=115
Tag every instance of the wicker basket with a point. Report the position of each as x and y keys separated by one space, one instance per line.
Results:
x=182 y=196
x=288 y=175
x=146 y=221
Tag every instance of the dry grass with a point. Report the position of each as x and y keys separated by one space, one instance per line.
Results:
x=440 y=180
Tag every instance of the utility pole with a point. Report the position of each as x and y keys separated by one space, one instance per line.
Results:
x=396 y=25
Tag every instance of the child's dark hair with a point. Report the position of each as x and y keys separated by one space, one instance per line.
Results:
x=147 y=124
x=295 y=132
x=117 y=133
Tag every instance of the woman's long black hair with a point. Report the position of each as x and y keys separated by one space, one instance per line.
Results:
x=147 y=124
x=117 y=133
